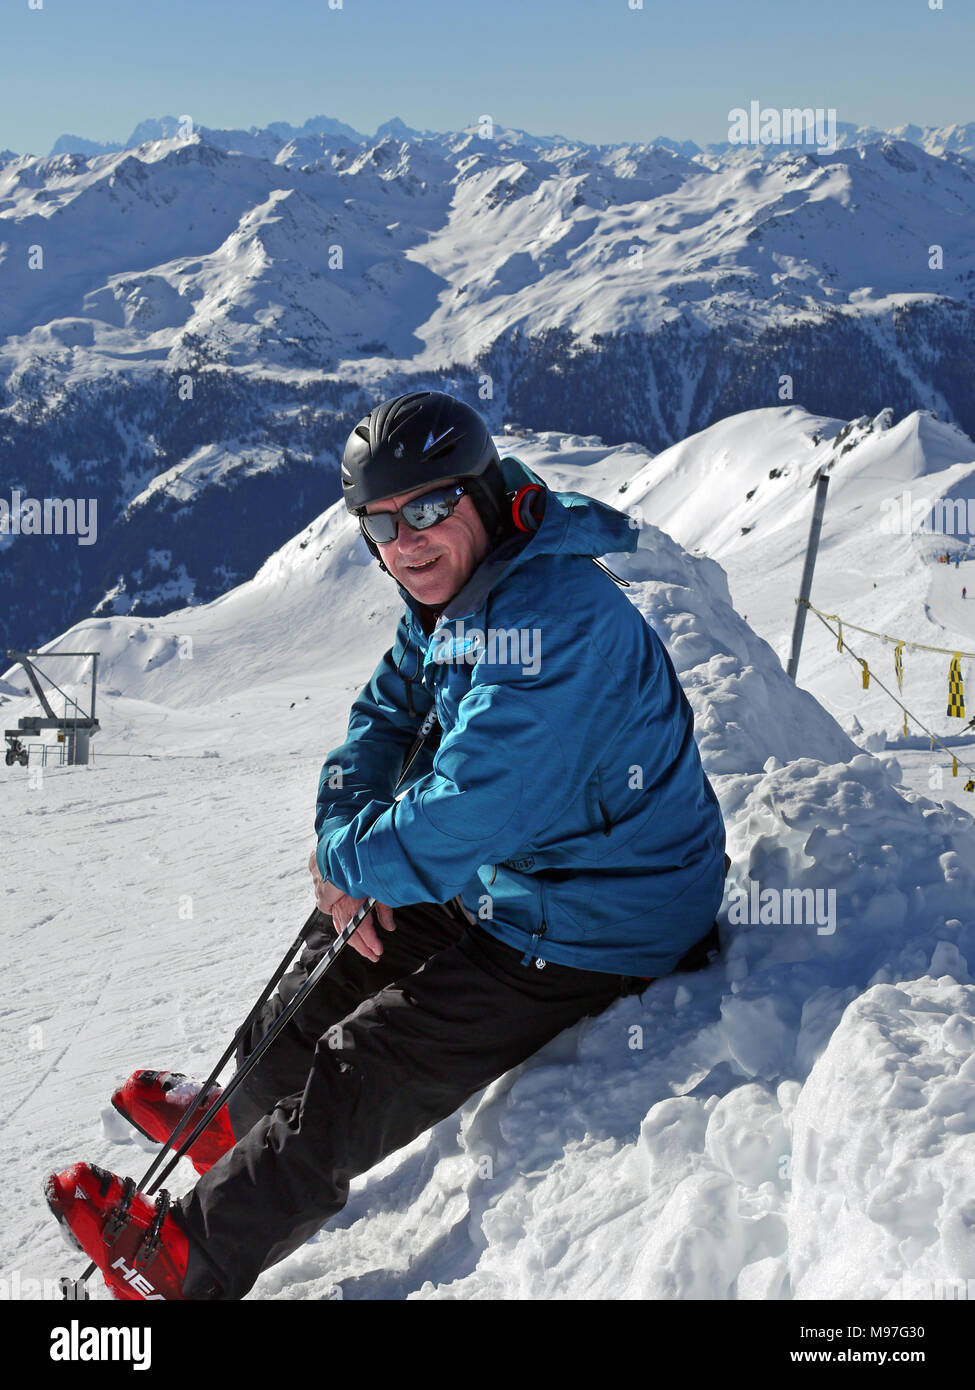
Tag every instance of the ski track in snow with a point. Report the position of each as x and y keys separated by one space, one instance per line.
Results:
x=795 y=1121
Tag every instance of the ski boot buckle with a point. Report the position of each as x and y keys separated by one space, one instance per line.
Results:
x=149 y=1242
x=119 y=1218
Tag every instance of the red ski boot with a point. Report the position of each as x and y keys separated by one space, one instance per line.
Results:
x=136 y=1243
x=155 y=1102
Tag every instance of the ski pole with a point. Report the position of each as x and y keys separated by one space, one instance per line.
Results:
x=232 y=1046
x=197 y=1101
x=284 y=1018
x=281 y=1022
x=79 y=1285
x=265 y=1043
x=292 y=951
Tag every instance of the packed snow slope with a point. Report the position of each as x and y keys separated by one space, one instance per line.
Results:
x=795 y=1120
x=742 y=492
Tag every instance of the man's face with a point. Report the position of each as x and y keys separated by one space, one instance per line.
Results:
x=434 y=564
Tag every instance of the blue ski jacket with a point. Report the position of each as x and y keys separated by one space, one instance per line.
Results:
x=566 y=804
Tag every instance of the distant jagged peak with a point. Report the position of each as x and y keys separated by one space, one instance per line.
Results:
x=399 y=130
x=315 y=125
x=494 y=132
x=687 y=148
x=78 y=145
x=181 y=128
x=186 y=127
x=158 y=128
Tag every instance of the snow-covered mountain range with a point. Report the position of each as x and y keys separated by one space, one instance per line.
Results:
x=410 y=254
x=190 y=327
x=958 y=138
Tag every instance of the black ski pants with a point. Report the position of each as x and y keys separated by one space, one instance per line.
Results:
x=380 y=1052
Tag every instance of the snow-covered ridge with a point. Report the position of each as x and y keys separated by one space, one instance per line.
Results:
x=956 y=138
x=420 y=252
x=741 y=492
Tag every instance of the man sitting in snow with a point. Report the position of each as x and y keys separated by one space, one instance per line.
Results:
x=558 y=846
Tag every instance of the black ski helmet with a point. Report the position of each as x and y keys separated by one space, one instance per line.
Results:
x=421 y=438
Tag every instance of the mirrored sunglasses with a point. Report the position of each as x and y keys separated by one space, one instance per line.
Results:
x=420 y=513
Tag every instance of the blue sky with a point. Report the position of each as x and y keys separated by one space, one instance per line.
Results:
x=594 y=69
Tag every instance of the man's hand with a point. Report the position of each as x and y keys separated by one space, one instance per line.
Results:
x=326 y=894
x=341 y=908
x=365 y=939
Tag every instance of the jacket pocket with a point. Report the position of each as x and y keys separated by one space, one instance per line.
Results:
x=596 y=813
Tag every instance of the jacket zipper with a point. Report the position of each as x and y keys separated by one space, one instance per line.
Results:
x=409 y=681
x=531 y=953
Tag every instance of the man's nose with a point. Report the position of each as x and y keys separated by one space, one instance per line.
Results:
x=408 y=540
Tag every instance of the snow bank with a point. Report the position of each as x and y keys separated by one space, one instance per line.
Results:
x=882 y=1199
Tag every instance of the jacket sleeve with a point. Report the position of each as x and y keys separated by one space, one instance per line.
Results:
x=359 y=776
x=500 y=776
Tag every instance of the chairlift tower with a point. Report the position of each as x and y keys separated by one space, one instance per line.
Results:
x=75 y=731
